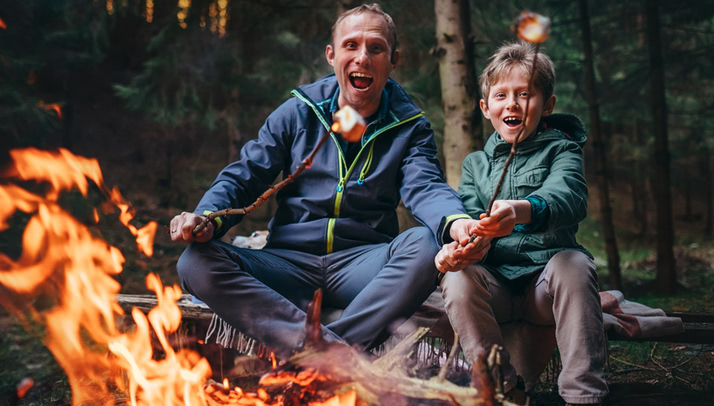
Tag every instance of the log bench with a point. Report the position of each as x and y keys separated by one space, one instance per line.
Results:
x=533 y=365
x=698 y=327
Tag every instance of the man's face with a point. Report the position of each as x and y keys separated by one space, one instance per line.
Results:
x=507 y=102
x=360 y=55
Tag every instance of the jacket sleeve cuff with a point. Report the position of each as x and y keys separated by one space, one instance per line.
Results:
x=540 y=212
x=443 y=233
x=217 y=222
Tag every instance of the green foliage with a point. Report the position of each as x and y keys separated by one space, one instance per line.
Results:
x=44 y=41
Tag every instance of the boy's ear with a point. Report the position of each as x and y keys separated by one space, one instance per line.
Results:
x=484 y=108
x=549 y=106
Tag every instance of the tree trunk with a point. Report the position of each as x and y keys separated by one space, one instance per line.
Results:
x=639 y=186
x=608 y=228
x=709 y=199
x=459 y=93
x=666 y=273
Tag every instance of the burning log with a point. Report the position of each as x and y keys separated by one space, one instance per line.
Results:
x=335 y=366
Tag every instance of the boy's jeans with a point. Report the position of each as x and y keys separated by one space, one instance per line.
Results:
x=565 y=294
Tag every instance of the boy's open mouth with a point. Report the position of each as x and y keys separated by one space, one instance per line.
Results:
x=360 y=80
x=512 y=121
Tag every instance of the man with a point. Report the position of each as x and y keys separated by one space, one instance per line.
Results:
x=336 y=225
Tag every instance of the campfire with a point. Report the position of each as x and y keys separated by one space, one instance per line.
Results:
x=63 y=263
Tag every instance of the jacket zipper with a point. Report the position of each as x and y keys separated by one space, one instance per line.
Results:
x=343 y=163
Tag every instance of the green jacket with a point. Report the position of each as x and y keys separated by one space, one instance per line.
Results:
x=548 y=164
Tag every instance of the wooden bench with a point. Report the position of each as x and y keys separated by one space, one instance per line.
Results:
x=698 y=327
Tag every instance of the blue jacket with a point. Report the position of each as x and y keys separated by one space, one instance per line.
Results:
x=335 y=204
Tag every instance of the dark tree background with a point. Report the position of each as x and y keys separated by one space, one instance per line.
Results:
x=165 y=97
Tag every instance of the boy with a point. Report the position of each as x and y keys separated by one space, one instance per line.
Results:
x=532 y=268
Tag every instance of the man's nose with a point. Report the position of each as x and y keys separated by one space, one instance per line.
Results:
x=363 y=56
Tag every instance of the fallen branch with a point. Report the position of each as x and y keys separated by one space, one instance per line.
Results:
x=375 y=383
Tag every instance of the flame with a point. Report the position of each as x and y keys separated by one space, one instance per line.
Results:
x=2 y=24
x=342 y=399
x=54 y=106
x=532 y=27
x=63 y=260
x=24 y=386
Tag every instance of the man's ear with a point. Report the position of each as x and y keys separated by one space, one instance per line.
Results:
x=330 y=54
x=484 y=108
x=395 y=58
x=549 y=106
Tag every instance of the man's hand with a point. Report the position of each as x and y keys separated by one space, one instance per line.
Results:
x=181 y=228
x=505 y=214
x=453 y=257
x=461 y=230
x=463 y=253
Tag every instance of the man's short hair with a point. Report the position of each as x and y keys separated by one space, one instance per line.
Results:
x=376 y=9
x=519 y=55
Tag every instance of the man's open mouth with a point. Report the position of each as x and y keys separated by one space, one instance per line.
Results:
x=360 y=80
x=512 y=121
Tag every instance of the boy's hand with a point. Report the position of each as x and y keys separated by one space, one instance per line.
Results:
x=505 y=214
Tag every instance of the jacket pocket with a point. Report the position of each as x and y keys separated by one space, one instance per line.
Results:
x=528 y=181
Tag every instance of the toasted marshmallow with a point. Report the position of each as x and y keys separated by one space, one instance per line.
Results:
x=532 y=27
x=349 y=123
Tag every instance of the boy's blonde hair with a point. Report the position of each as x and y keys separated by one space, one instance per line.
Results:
x=518 y=55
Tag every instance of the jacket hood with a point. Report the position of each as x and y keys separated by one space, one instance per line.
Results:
x=400 y=104
x=553 y=127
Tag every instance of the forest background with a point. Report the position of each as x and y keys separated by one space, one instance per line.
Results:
x=164 y=94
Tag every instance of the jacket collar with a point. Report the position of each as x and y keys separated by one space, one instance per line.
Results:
x=395 y=102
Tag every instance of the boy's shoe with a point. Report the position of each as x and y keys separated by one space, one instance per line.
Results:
x=517 y=395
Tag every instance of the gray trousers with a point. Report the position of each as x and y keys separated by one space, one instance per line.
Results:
x=265 y=293
x=565 y=294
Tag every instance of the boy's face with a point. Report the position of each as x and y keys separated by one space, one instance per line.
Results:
x=506 y=103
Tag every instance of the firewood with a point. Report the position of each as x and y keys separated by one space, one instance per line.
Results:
x=343 y=366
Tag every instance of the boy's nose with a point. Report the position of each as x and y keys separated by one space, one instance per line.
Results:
x=513 y=105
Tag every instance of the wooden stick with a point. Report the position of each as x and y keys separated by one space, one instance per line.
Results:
x=306 y=163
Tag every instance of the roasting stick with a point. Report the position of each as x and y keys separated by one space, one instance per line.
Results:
x=348 y=123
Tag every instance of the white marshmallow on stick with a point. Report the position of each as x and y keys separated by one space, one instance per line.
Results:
x=349 y=123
